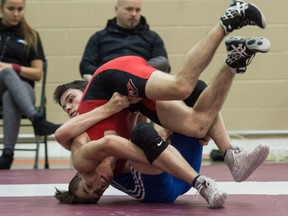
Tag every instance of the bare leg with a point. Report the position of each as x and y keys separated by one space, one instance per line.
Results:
x=180 y=86
x=199 y=57
x=211 y=101
x=160 y=86
x=171 y=161
x=219 y=134
x=196 y=122
x=241 y=163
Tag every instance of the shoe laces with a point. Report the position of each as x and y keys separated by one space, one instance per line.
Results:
x=240 y=53
x=237 y=150
x=236 y=8
x=208 y=183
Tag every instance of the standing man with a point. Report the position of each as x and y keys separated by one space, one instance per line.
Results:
x=126 y=34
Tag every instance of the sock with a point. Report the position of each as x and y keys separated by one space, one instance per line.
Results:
x=225 y=153
x=194 y=181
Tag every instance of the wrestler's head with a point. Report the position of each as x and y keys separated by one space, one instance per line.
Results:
x=71 y=197
x=69 y=95
x=87 y=188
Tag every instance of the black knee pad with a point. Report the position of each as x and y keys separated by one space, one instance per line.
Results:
x=199 y=88
x=146 y=137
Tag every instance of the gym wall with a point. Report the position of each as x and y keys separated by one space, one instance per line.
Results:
x=258 y=99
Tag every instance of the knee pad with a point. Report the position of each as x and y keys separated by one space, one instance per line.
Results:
x=146 y=138
x=199 y=88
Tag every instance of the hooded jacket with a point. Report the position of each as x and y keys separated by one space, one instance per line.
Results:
x=115 y=41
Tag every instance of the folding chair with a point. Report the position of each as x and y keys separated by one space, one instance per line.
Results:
x=37 y=140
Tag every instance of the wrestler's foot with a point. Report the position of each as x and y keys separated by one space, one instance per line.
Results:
x=209 y=191
x=240 y=51
x=240 y=14
x=242 y=164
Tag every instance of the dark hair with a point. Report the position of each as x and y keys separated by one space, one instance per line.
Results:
x=59 y=91
x=70 y=197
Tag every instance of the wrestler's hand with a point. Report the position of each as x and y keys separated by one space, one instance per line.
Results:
x=117 y=102
x=205 y=140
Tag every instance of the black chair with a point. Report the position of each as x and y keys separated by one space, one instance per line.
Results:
x=37 y=140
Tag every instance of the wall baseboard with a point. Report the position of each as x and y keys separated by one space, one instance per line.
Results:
x=277 y=140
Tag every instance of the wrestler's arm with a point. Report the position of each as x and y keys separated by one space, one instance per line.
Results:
x=86 y=158
x=79 y=124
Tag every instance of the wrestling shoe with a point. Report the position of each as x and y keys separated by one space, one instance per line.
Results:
x=209 y=191
x=242 y=164
x=240 y=14
x=241 y=51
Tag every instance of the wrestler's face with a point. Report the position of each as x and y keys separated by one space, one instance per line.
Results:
x=70 y=101
x=128 y=13
x=94 y=184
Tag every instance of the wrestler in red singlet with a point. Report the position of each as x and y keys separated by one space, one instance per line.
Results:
x=128 y=76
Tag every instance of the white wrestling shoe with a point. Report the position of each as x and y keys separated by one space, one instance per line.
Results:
x=242 y=164
x=209 y=191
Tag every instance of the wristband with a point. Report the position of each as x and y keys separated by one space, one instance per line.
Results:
x=16 y=68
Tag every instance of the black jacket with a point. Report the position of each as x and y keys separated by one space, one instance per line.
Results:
x=13 y=48
x=114 y=41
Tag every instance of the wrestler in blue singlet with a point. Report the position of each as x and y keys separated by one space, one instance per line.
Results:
x=161 y=188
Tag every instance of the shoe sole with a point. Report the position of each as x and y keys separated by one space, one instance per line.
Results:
x=255 y=44
x=258 y=44
x=219 y=200
x=259 y=158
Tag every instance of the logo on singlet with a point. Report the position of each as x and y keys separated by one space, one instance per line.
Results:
x=159 y=144
x=132 y=90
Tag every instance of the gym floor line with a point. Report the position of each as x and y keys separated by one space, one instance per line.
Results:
x=25 y=192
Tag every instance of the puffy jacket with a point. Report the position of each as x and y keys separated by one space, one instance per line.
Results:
x=115 y=41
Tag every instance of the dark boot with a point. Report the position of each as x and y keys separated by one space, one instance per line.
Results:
x=6 y=159
x=43 y=127
x=216 y=156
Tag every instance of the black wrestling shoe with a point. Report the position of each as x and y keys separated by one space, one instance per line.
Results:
x=43 y=127
x=240 y=14
x=240 y=51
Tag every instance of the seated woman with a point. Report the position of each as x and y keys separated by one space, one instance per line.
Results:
x=21 y=64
